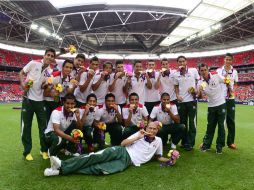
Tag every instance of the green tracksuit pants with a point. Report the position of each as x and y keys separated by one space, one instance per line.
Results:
x=188 y=113
x=88 y=132
x=115 y=132
x=29 y=107
x=230 y=121
x=176 y=131
x=107 y=161
x=56 y=143
x=216 y=115
x=50 y=106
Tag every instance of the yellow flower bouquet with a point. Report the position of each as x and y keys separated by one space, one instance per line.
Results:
x=59 y=88
x=78 y=135
x=29 y=83
x=72 y=49
x=102 y=126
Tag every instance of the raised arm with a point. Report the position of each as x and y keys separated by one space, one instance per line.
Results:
x=148 y=83
x=129 y=141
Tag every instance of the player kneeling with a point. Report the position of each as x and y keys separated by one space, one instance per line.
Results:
x=62 y=121
x=167 y=114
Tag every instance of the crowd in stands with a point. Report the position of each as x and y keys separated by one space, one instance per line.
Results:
x=15 y=59
x=19 y=60
x=246 y=76
x=244 y=92
x=10 y=92
x=13 y=76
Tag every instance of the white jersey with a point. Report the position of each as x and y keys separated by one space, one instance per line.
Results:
x=59 y=67
x=232 y=74
x=120 y=96
x=142 y=151
x=185 y=82
x=90 y=116
x=161 y=116
x=35 y=73
x=46 y=78
x=102 y=90
x=137 y=115
x=167 y=84
x=66 y=83
x=138 y=86
x=59 y=64
x=81 y=96
x=212 y=88
x=153 y=95
x=106 y=115
x=58 y=117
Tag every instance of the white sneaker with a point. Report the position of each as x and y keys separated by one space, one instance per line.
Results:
x=173 y=146
x=50 y=172
x=76 y=154
x=67 y=153
x=55 y=162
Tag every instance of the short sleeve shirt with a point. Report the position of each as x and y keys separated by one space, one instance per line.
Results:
x=118 y=90
x=142 y=151
x=232 y=74
x=185 y=82
x=137 y=115
x=106 y=116
x=58 y=117
x=81 y=96
x=102 y=90
x=153 y=94
x=35 y=73
x=161 y=116
x=213 y=88
x=167 y=85
x=138 y=86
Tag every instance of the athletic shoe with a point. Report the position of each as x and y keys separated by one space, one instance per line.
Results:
x=202 y=148
x=76 y=154
x=29 y=157
x=67 y=153
x=50 y=172
x=219 y=151
x=232 y=146
x=55 y=162
x=201 y=145
x=44 y=155
x=173 y=146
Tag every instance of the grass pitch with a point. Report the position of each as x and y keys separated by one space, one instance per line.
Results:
x=194 y=170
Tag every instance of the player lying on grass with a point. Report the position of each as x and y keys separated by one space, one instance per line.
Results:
x=138 y=149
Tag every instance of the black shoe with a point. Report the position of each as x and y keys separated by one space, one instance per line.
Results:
x=219 y=151
x=203 y=148
x=188 y=148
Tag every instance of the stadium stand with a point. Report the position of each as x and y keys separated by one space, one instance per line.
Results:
x=10 y=90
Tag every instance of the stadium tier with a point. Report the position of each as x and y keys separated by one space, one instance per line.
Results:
x=11 y=92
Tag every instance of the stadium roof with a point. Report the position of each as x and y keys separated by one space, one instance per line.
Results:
x=134 y=27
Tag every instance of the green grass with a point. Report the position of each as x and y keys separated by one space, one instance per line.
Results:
x=194 y=170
